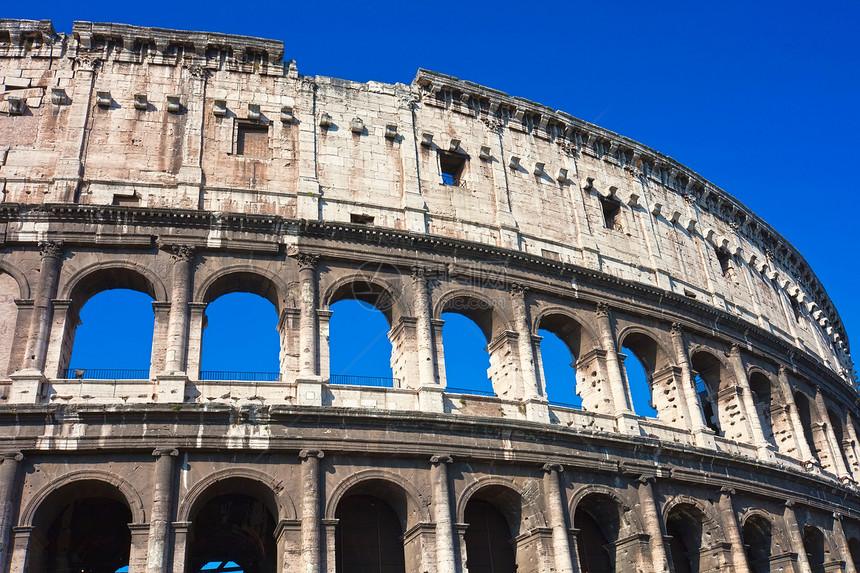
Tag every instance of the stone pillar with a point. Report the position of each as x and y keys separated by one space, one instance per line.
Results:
x=180 y=296
x=751 y=414
x=703 y=435
x=158 y=548
x=852 y=436
x=137 y=556
x=311 y=510
x=537 y=407
x=556 y=514
x=46 y=291
x=8 y=495
x=797 y=427
x=430 y=390
x=309 y=382
x=308 y=200
x=180 y=544
x=190 y=176
x=841 y=469
x=28 y=548
x=442 y=514
x=733 y=533
x=842 y=541
x=653 y=524
x=67 y=175
x=796 y=537
x=330 y=526
x=617 y=385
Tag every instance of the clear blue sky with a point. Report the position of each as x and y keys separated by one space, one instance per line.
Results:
x=761 y=98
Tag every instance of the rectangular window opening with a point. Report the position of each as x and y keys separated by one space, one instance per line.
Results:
x=725 y=260
x=360 y=219
x=452 y=167
x=611 y=214
x=252 y=140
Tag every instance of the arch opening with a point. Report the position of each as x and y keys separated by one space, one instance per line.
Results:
x=558 y=364
x=839 y=433
x=761 y=389
x=113 y=339
x=493 y=517
x=639 y=384
x=85 y=525
x=649 y=377
x=804 y=412
x=467 y=361
x=758 y=543
x=816 y=550
x=9 y=292
x=597 y=520
x=360 y=348
x=708 y=378
x=240 y=339
x=684 y=525
x=233 y=522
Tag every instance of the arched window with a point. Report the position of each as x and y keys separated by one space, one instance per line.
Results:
x=241 y=340
x=466 y=359
x=559 y=371
x=688 y=540
x=598 y=524
x=814 y=545
x=804 y=412
x=839 y=432
x=707 y=375
x=493 y=518
x=760 y=387
x=854 y=550
x=640 y=386
x=114 y=338
x=233 y=529
x=368 y=537
x=8 y=315
x=85 y=525
x=359 y=348
x=758 y=541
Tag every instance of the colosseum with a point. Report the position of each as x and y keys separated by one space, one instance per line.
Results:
x=190 y=165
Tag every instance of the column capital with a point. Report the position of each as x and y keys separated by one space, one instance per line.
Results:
x=306 y=261
x=165 y=451
x=419 y=273
x=310 y=453
x=727 y=491
x=677 y=329
x=183 y=253
x=518 y=289
x=789 y=504
x=550 y=467
x=441 y=459
x=14 y=456
x=645 y=480
x=837 y=516
x=51 y=249
x=735 y=348
x=602 y=310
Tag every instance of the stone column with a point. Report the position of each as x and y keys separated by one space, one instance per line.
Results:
x=841 y=469
x=852 y=436
x=537 y=407
x=733 y=533
x=653 y=524
x=796 y=537
x=46 y=291
x=442 y=514
x=330 y=526
x=556 y=513
x=702 y=434
x=180 y=544
x=423 y=330
x=158 y=548
x=8 y=495
x=311 y=548
x=180 y=296
x=309 y=382
x=756 y=432
x=842 y=541
x=67 y=175
x=797 y=427
x=618 y=388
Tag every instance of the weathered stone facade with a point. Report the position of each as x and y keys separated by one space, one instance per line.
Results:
x=190 y=165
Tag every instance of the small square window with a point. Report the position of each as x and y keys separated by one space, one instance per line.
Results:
x=252 y=140
x=452 y=167
x=360 y=219
x=611 y=214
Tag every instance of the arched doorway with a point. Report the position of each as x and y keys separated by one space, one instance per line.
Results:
x=684 y=525
x=368 y=537
x=758 y=543
x=233 y=523
x=597 y=520
x=493 y=516
x=85 y=525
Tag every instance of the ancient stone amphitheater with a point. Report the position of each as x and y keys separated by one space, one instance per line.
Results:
x=188 y=165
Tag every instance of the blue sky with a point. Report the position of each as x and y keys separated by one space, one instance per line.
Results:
x=761 y=98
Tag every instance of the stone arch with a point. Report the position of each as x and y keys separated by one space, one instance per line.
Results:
x=374 y=290
x=280 y=503
x=715 y=359
x=416 y=505
x=529 y=512
x=722 y=410
x=567 y=314
x=243 y=278
x=125 y=489
x=711 y=515
x=627 y=516
x=648 y=345
x=19 y=277
x=89 y=280
x=492 y=319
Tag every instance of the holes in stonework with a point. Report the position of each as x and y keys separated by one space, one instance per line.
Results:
x=452 y=167
x=252 y=139
x=611 y=213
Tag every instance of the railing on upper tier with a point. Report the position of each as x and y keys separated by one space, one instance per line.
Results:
x=107 y=374
x=207 y=375
x=373 y=381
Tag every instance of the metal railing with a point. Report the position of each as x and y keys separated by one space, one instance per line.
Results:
x=472 y=391
x=566 y=404
x=374 y=381
x=212 y=375
x=106 y=374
